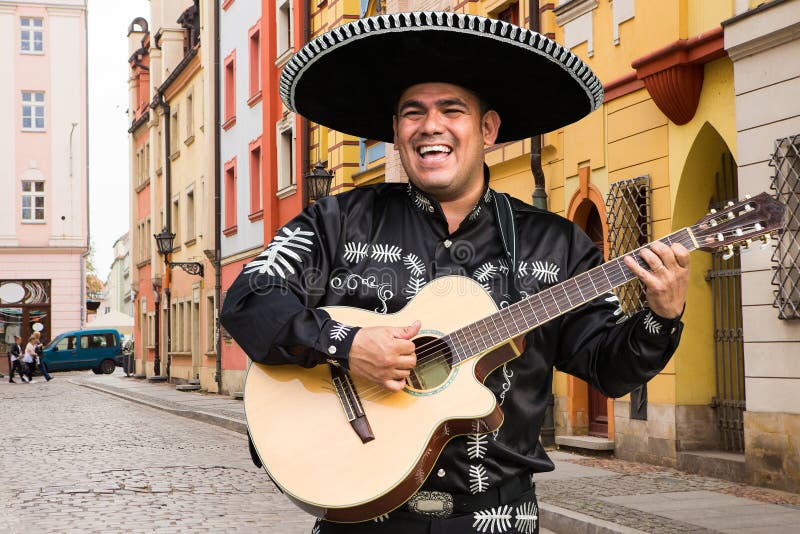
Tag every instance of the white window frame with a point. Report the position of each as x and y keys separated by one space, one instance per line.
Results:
x=31 y=35
x=284 y=33
x=287 y=182
x=191 y=216
x=32 y=195
x=34 y=107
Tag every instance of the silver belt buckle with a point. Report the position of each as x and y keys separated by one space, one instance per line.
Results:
x=431 y=503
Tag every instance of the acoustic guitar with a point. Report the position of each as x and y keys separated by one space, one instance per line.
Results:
x=348 y=450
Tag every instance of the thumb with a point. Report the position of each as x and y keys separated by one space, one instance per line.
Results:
x=407 y=332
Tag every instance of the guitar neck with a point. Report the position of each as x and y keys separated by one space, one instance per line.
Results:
x=530 y=312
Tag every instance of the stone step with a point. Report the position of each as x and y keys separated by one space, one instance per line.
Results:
x=187 y=387
x=157 y=378
x=194 y=381
x=719 y=464
x=239 y=395
x=592 y=443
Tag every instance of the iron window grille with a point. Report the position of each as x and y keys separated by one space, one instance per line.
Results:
x=786 y=257
x=630 y=226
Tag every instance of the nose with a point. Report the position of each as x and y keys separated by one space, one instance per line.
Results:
x=432 y=124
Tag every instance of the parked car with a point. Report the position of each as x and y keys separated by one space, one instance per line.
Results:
x=97 y=349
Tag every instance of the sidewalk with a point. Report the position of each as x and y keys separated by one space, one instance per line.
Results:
x=583 y=495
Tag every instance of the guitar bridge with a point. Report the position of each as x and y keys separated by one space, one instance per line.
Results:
x=351 y=404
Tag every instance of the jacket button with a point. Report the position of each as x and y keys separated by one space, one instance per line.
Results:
x=447 y=243
x=440 y=473
x=331 y=350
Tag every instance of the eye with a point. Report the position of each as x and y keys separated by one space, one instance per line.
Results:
x=452 y=112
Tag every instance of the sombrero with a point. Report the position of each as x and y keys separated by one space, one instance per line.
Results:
x=349 y=78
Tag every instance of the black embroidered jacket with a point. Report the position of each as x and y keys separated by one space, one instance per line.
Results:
x=376 y=247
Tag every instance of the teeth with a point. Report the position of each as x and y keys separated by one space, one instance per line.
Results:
x=434 y=148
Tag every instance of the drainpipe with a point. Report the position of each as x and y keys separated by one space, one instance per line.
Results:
x=85 y=254
x=539 y=194
x=306 y=128
x=548 y=431
x=157 y=326
x=217 y=204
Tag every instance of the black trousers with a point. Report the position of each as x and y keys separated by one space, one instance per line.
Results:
x=16 y=366
x=521 y=516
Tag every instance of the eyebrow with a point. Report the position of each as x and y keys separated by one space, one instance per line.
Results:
x=444 y=102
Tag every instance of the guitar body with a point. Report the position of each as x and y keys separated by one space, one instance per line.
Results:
x=310 y=450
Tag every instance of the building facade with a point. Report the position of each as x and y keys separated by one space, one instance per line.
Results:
x=242 y=167
x=117 y=288
x=44 y=222
x=763 y=43
x=175 y=164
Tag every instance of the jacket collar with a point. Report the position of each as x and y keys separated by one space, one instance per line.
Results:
x=428 y=205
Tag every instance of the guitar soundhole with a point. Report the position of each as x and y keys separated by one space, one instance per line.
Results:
x=434 y=363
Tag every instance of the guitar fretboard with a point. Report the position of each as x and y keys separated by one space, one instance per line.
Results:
x=537 y=309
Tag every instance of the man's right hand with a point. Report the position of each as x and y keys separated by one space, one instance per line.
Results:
x=384 y=354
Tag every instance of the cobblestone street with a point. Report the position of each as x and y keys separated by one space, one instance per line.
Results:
x=76 y=460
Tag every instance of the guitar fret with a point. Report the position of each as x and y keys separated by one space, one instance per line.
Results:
x=564 y=289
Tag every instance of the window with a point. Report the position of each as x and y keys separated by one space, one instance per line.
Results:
x=146 y=175
x=66 y=343
x=33 y=111
x=98 y=341
x=189 y=118
x=286 y=152
x=148 y=232
x=370 y=152
x=255 y=62
x=176 y=225
x=229 y=91
x=510 y=14
x=32 y=201
x=230 y=197
x=190 y=216
x=786 y=256
x=31 y=35
x=211 y=323
x=284 y=23
x=159 y=148
x=173 y=133
x=255 y=178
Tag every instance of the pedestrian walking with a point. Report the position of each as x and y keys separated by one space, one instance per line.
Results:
x=15 y=352
x=29 y=358
x=40 y=357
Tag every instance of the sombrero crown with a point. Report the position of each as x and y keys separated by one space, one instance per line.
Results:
x=349 y=79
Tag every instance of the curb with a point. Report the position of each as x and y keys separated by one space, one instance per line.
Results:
x=206 y=417
x=559 y=519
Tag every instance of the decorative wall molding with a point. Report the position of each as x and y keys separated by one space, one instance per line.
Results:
x=673 y=75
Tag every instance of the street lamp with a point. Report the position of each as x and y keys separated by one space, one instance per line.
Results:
x=164 y=243
x=317 y=183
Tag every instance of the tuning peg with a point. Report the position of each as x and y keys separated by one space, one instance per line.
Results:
x=758 y=227
x=747 y=197
x=713 y=211
x=739 y=232
x=728 y=253
x=765 y=241
x=731 y=215
x=746 y=246
x=729 y=204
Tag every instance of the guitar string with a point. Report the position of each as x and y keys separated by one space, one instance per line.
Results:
x=431 y=355
x=438 y=355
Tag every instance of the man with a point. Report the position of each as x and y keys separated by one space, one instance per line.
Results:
x=15 y=352
x=374 y=248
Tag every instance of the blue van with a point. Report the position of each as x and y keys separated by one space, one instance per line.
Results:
x=98 y=349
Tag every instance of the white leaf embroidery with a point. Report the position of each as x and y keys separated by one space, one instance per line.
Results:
x=315 y=530
x=413 y=287
x=526 y=518
x=478 y=479
x=503 y=266
x=485 y=272
x=476 y=445
x=339 y=332
x=493 y=520
x=475 y=212
x=275 y=255
x=386 y=253
x=507 y=374
x=651 y=324
x=354 y=252
x=522 y=269
x=544 y=271
x=421 y=201
x=414 y=264
x=621 y=317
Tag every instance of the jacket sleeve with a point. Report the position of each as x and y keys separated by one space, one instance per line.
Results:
x=598 y=344
x=271 y=308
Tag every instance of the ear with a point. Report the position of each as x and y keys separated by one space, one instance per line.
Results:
x=394 y=130
x=490 y=126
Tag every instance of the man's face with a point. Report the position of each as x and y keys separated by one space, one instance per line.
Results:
x=440 y=134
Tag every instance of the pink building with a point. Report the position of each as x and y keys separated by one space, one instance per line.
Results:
x=43 y=168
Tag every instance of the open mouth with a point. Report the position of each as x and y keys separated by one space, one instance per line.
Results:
x=431 y=152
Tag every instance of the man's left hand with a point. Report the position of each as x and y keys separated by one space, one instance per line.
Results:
x=668 y=277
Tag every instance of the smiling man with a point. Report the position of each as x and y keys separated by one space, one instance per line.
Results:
x=376 y=248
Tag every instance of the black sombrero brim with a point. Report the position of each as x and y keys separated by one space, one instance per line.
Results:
x=349 y=79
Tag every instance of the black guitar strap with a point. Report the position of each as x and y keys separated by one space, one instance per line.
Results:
x=508 y=233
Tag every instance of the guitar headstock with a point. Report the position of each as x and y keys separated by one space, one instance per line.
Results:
x=740 y=223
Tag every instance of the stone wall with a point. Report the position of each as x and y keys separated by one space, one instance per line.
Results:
x=772 y=449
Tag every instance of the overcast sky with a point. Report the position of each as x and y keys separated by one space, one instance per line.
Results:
x=109 y=209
